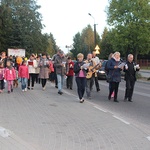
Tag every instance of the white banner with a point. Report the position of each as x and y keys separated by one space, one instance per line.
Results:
x=16 y=52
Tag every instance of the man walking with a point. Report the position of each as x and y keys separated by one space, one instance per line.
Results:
x=97 y=61
x=130 y=77
x=61 y=70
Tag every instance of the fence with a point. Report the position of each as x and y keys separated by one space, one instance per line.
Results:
x=144 y=62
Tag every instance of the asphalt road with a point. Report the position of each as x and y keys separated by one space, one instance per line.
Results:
x=137 y=112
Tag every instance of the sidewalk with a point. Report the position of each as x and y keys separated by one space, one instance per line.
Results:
x=44 y=120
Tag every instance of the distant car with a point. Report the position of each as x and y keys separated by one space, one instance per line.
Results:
x=101 y=74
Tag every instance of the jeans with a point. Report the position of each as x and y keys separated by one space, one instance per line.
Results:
x=81 y=83
x=89 y=85
x=24 y=83
x=60 y=79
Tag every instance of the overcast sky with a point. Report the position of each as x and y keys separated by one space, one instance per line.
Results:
x=64 y=18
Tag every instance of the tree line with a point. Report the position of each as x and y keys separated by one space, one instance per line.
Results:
x=128 y=29
x=128 y=32
x=21 y=27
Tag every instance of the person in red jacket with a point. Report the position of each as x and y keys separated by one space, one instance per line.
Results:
x=70 y=74
x=9 y=76
x=23 y=74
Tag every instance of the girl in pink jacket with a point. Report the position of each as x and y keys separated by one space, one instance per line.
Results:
x=9 y=76
x=24 y=75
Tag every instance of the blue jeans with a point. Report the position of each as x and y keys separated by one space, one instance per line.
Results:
x=60 y=79
x=24 y=83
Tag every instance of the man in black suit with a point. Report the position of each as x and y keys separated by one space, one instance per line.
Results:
x=130 y=77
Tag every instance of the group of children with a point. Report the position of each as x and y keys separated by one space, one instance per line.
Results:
x=9 y=75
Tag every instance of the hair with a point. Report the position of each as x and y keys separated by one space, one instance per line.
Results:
x=3 y=53
x=110 y=55
x=116 y=53
x=80 y=55
x=129 y=55
x=44 y=54
x=25 y=61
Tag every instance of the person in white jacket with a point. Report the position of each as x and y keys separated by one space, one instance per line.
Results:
x=32 y=65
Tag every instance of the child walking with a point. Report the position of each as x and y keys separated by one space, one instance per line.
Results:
x=1 y=76
x=24 y=75
x=9 y=76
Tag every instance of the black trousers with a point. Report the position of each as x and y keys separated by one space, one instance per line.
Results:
x=2 y=84
x=55 y=77
x=97 y=84
x=69 y=81
x=32 y=79
x=81 y=83
x=129 y=89
x=43 y=82
x=114 y=87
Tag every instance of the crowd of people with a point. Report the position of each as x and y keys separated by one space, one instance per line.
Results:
x=38 y=69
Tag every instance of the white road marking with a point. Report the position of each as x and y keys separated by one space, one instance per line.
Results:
x=4 y=132
x=100 y=109
x=148 y=138
x=121 y=120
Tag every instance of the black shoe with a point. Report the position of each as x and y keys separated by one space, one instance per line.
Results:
x=11 y=90
x=56 y=86
x=115 y=100
x=28 y=88
x=109 y=97
x=70 y=88
x=81 y=100
x=130 y=100
x=98 y=90
x=60 y=92
x=32 y=88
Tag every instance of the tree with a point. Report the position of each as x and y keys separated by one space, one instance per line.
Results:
x=105 y=44
x=52 y=47
x=84 y=41
x=77 y=45
x=21 y=26
x=130 y=21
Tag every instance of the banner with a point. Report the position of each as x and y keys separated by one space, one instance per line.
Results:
x=16 y=52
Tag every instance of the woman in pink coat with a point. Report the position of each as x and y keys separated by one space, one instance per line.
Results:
x=9 y=76
x=24 y=75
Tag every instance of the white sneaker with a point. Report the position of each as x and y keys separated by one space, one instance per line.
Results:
x=25 y=89
x=22 y=90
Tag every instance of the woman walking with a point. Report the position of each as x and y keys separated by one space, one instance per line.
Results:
x=80 y=74
x=115 y=74
x=44 y=70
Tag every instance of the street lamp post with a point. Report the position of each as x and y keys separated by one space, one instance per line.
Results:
x=95 y=41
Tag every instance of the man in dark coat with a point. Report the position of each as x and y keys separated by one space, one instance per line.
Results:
x=130 y=77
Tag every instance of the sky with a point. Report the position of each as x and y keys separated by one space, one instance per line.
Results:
x=65 y=18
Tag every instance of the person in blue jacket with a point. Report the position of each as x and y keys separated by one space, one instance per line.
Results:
x=115 y=73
